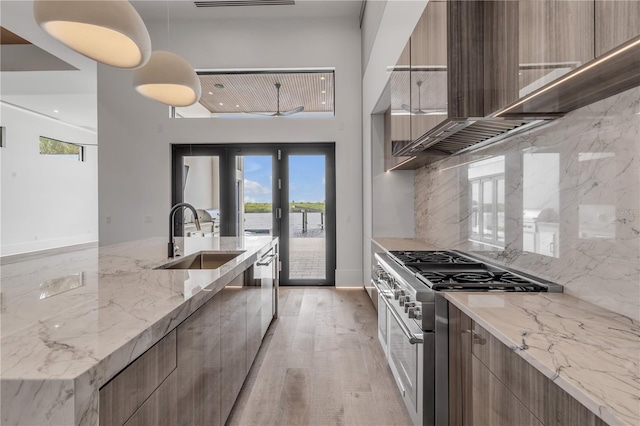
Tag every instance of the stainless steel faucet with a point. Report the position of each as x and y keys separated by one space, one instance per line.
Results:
x=172 y=247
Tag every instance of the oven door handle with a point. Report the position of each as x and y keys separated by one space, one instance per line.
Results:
x=413 y=338
x=380 y=291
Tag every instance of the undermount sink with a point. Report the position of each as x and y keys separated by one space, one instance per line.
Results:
x=203 y=260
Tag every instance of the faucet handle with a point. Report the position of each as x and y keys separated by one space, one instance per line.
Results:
x=176 y=250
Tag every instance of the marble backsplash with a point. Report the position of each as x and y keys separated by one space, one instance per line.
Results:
x=561 y=202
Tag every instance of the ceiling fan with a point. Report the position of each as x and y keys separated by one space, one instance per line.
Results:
x=420 y=111
x=278 y=113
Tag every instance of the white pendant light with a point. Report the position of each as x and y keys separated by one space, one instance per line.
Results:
x=169 y=79
x=108 y=31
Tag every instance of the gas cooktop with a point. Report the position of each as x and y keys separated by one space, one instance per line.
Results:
x=451 y=271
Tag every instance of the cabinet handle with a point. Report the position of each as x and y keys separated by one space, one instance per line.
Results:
x=266 y=262
x=477 y=339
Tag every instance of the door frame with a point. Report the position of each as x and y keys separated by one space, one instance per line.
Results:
x=279 y=151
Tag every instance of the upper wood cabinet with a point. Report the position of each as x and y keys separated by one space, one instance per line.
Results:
x=554 y=37
x=617 y=21
x=397 y=119
x=428 y=88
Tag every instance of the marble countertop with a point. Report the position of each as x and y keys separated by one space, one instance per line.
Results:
x=71 y=321
x=390 y=244
x=590 y=352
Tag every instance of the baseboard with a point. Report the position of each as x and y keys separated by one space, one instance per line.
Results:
x=37 y=254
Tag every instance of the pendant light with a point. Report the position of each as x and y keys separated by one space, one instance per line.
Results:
x=169 y=79
x=108 y=31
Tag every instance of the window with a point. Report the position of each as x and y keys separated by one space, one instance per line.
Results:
x=56 y=148
x=264 y=94
x=487 y=186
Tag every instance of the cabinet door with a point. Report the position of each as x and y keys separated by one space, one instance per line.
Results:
x=126 y=392
x=429 y=69
x=397 y=119
x=161 y=408
x=617 y=21
x=460 y=379
x=254 y=319
x=267 y=283
x=199 y=366
x=493 y=404
x=555 y=37
x=233 y=342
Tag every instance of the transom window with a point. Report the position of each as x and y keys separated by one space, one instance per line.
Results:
x=263 y=94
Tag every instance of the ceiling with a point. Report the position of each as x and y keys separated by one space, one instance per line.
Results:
x=256 y=92
x=71 y=95
x=151 y=10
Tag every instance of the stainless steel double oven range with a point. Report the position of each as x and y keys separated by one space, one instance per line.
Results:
x=413 y=318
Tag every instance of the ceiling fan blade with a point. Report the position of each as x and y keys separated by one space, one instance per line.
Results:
x=292 y=111
x=431 y=112
x=262 y=114
x=409 y=109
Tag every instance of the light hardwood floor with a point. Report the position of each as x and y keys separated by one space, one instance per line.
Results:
x=321 y=364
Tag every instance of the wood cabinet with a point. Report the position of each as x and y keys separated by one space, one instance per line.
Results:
x=489 y=384
x=429 y=69
x=554 y=37
x=145 y=379
x=200 y=366
x=397 y=121
x=160 y=409
x=617 y=21
x=234 y=342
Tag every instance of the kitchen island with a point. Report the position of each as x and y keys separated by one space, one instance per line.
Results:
x=71 y=322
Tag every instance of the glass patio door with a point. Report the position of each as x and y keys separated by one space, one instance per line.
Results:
x=265 y=189
x=307 y=215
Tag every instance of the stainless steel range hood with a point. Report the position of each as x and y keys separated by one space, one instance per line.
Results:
x=458 y=135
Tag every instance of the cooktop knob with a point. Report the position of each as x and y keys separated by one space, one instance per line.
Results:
x=415 y=313
x=403 y=299
x=408 y=306
x=396 y=294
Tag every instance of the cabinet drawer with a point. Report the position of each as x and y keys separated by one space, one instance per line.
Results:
x=546 y=400
x=161 y=409
x=493 y=404
x=126 y=392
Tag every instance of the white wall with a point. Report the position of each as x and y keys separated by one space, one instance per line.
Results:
x=136 y=133
x=46 y=202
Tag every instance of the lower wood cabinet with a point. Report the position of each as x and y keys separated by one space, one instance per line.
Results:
x=489 y=384
x=234 y=343
x=195 y=373
x=146 y=382
x=200 y=366
x=161 y=408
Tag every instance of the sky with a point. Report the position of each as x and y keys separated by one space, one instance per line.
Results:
x=306 y=178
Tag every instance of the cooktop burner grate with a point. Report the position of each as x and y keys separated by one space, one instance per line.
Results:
x=431 y=257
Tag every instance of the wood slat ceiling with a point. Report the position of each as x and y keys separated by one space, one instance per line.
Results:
x=256 y=92
x=231 y=3
x=7 y=37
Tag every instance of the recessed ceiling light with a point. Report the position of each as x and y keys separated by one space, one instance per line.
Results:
x=324 y=91
x=211 y=93
x=321 y=78
x=55 y=110
x=237 y=106
x=323 y=103
x=221 y=104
